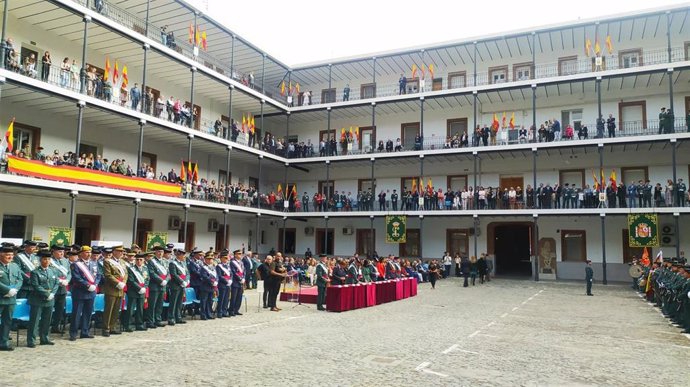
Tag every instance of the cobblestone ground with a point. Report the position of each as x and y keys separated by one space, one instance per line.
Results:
x=505 y=332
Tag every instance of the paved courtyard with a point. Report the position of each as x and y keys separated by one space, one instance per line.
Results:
x=506 y=332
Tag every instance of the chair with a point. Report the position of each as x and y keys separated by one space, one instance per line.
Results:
x=68 y=312
x=21 y=313
x=190 y=298
x=98 y=306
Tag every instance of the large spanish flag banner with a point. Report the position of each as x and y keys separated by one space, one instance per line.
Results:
x=90 y=177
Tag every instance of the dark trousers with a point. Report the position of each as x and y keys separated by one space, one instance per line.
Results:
x=6 y=322
x=473 y=277
x=155 y=309
x=321 y=297
x=235 y=300
x=111 y=312
x=589 y=287
x=81 y=317
x=432 y=279
x=223 y=300
x=273 y=294
x=206 y=299
x=175 y=302
x=465 y=284
x=59 y=313
x=395 y=205
x=267 y=287
x=39 y=319
x=446 y=271
x=135 y=307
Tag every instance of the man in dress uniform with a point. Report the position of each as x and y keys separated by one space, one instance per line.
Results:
x=44 y=285
x=137 y=282
x=179 y=279
x=394 y=200
x=247 y=263
x=236 y=290
x=621 y=194
x=305 y=202
x=158 y=281
x=352 y=273
x=339 y=273
x=322 y=281
x=11 y=279
x=208 y=283
x=85 y=279
x=681 y=190
x=193 y=267
x=27 y=260
x=61 y=265
x=647 y=194
x=224 y=275
x=589 y=277
x=115 y=274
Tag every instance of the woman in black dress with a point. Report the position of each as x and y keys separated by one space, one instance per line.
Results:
x=434 y=269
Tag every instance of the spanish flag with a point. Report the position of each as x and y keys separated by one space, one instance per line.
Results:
x=588 y=47
x=429 y=185
x=612 y=179
x=297 y=87
x=597 y=47
x=125 y=78
x=244 y=123
x=431 y=70
x=644 y=261
x=503 y=120
x=183 y=172
x=414 y=70
x=253 y=125
x=494 y=123
x=280 y=188
x=414 y=185
x=294 y=191
x=195 y=176
x=9 y=137
x=191 y=33
x=511 y=124
x=116 y=74
x=596 y=182
x=107 y=69
x=342 y=134
x=204 y=42
x=282 y=88
x=421 y=185
x=357 y=132
x=609 y=45
x=198 y=36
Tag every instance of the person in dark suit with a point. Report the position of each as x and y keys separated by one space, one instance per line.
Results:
x=85 y=278
x=264 y=272
x=193 y=267
x=208 y=283
x=589 y=277
x=236 y=289
x=339 y=273
x=247 y=263
x=277 y=273
x=224 y=275
x=322 y=280
x=44 y=285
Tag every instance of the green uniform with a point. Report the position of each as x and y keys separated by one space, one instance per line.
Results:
x=321 y=283
x=11 y=277
x=352 y=275
x=158 y=282
x=44 y=285
x=27 y=263
x=179 y=279
x=61 y=267
x=137 y=279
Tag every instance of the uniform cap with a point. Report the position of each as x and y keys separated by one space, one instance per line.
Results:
x=57 y=247
x=84 y=249
x=238 y=251
x=30 y=243
x=119 y=248
x=157 y=248
x=44 y=253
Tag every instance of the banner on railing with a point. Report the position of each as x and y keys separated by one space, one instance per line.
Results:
x=643 y=230
x=90 y=177
x=396 y=229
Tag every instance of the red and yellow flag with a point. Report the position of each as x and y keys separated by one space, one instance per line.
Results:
x=125 y=78
x=204 y=42
x=282 y=88
x=280 y=188
x=116 y=74
x=644 y=261
x=357 y=132
x=297 y=87
x=414 y=185
x=596 y=182
x=191 y=33
x=612 y=179
x=494 y=123
x=588 y=47
x=609 y=44
x=421 y=185
x=244 y=123
x=603 y=181
x=511 y=124
x=294 y=191
x=9 y=136
x=253 y=125
x=198 y=36
x=195 y=176
x=422 y=69
x=429 y=185
x=183 y=172
x=431 y=70
x=107 y=69
x=503 y=121
x=597 y=47
x=342 y=134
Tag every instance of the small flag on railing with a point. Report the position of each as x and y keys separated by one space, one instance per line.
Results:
x=414 y=185
x=588 y=47
x=125 y=78
x=596 y=182
x=342 y=134
x=511 y=124
x=107 y=69
x=597 y=47
x=414 y=71
x=494 y=123
x=503 y=121
x=204 y=42
x=116 y=74
x=280 y=188
x=609 y=44
x=253 y=125
x=198 y=36
x=8 y=140
x=612 y=179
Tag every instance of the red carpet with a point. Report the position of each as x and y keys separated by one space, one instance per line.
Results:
x=306 y=296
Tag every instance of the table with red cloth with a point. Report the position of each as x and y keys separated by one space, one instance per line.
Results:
x=340 y=298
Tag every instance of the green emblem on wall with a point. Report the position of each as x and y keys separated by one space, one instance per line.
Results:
x=61 y=236
x=643 y=230
x=396 y=229
x=154 y=239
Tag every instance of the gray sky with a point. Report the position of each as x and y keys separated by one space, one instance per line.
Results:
x=302 y=31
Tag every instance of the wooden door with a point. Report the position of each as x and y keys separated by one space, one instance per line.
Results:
x=324 y=238
x=189 y=243
x=408 y=131
x=366 y=241
x=511 y=181
x=456 y=126
x=457 y=241
x=143 y=226
x=87 y=229
x=220 y=242
x=197 y=119
x=629 y=252
x=287 y=246
x=412 y=248
x=367 y=138
x=327 y=187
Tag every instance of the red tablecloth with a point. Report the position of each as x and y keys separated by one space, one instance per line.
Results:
x=407 y=284
x=341 y=298
x=370 y=290
x=399 y=289
x=360 y=296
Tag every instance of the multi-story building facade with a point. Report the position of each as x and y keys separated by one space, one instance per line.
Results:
x=396 y=118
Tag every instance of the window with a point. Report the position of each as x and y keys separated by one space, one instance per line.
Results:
x=498 y=74
x=411 y=248
x=457 y=80
x=222 y=175
x=567 y=65
x=573 y=245
x=573 y=177
x=26 y=137
x=149 y=159
x=456 y=126
x=367 y=138
x=328 y=95
x=408 y=132
x=522 y=71
x=630 y=58
x=367 y=90
x=457 y=183
x=571 y=117
x=327 y=187
x=634 y=174
x=14 y=226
